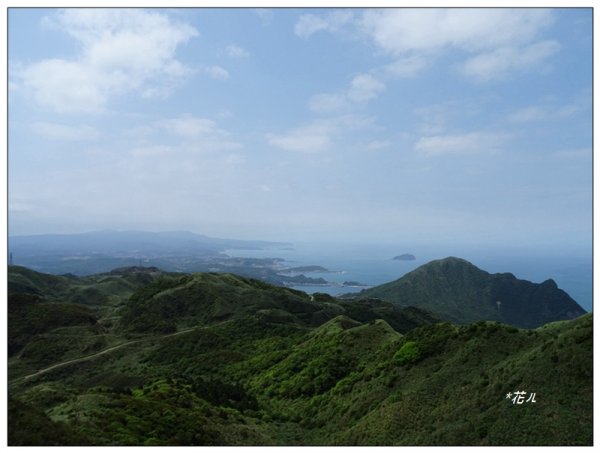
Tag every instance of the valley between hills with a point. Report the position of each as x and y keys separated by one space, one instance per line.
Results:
x=140 y=356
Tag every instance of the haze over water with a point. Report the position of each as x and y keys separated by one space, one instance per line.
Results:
x=372 y=264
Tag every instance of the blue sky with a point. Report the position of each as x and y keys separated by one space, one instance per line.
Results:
x=461 y=126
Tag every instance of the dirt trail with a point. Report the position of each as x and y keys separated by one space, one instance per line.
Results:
x=106 y=351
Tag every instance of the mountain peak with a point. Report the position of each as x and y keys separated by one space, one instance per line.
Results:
x=449 y=262
x=460 y=292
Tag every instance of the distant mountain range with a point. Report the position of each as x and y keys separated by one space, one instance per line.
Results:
x=135 y=243
x=140 y=356
x=101 y=251
x=458 y=291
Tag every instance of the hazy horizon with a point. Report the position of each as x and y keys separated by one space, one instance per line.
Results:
x=372 y=247
x=304 y=125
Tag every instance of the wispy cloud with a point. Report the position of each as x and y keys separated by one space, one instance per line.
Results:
x=312 y=138
x=319 y=135
x=494 y=41
x=434 y=118
x=328 y=102
x=55 y=131
x=189 y=126
x=217 y=72
x=308 y=24
x=402 y=30
x=541 y=113
x=152 y=151
x=570 y=154
x=438 y=118
x=122 y=50
x=528 y=114
x=265 y=15
x=506 y=60
x=362 y=88
x=459 y=144
x=235 y=159
x=408 y=66
x=236 y=51
x=184 y=134
x=377 y=145
x=198 y=134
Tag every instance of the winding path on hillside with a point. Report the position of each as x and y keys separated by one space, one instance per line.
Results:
x=106 y=351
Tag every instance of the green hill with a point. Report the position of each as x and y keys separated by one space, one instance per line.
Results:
x=457 y=291
x=218 y=359
x=24 y=280
x=173 y=302
x=99 y=289
x=53 y=318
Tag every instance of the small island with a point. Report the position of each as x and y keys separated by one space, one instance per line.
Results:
x=300 y=280
x=353 y=284
x=306 y=269
x=405 y=257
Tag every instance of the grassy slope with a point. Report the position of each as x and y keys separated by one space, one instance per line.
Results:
x=456 y=394
x=250 y=377
x=53 y=318
x=176 y=302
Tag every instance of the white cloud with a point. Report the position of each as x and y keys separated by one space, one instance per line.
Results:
x=528 y=114
x=54 y=131
x=362 y=88
x=327 y=102
x=152 y=151
x=265 y=15
x=236 y=51
x=122 y=50
x=308 y=24
x=308 y=139
x=540 y=113
x=198 y=134
x=459 y=144
x=435 y=119
x=66 y=86
x=320 y=135
x=156 y=92
x=190 y=126
x=217 y=72
x=408 y=66
x=495 y=41
x=376 y=145
x=568 y=110
x=401 y=30
x=498 y=63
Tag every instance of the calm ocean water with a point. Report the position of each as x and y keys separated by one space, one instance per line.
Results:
x=373 y=265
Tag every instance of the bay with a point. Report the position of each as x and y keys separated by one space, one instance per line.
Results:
x=373 y=264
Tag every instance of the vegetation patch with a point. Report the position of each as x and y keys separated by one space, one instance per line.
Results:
x=409 y=353
x=215 y=359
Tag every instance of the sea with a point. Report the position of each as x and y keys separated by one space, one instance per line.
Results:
x=373 y=264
